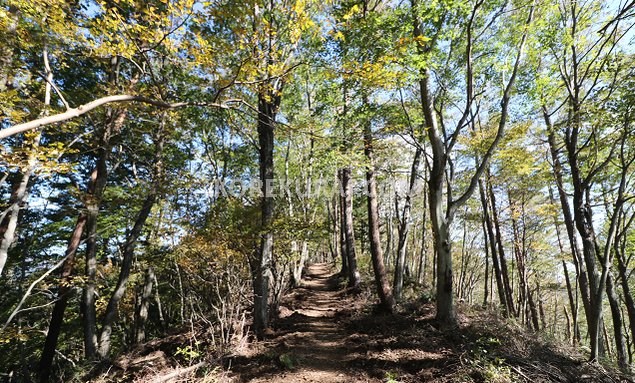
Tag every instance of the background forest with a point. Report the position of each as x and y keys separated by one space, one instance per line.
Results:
x=168 y=165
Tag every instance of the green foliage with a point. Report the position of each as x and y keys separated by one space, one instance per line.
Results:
x=338 y=67
x=188 y=352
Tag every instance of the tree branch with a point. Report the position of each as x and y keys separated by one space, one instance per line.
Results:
x=82 y=109
x=501 y=124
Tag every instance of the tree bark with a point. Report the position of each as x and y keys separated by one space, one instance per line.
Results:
x=99 y=178
x=141 y=314
x=342 y=223
x=381 y=281
x=616 y=314
x=267 y=107
x=486 y=248
x=509 y=295
x=353 y=274
x=124 y=273
x=492 y=243
x=404 y=227
x=64 y=291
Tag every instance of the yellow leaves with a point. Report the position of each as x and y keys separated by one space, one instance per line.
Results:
x=381 y=73
x=351 y=12
x=338 y=35
x=115 y=32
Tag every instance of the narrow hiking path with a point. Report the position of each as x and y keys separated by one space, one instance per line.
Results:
x=320 y=337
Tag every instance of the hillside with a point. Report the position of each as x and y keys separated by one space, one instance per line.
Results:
x=328 y=334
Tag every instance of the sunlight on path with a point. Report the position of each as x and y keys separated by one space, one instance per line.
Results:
x=310 y=342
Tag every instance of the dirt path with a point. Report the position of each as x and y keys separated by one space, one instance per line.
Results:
x=310 y=341
x=324 y=335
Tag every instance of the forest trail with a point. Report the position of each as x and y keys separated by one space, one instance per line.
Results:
x=317 y=339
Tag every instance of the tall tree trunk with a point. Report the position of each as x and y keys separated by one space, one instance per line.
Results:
x=616 y=314
x=130 y=244
x=509 y=295
x=423 y=260
x=64 y=291
x=578 y=260
x=342 y=223
x=389 y=229
x=295 y=278
x=99 y=178
x=9 y=223
x=440 y=218
x=115 y=119
x=124 y=273
x=523 y=292
x=306 y=205
x=624 y=277
x=486 y=248
x=353 y=274
x=141 y=313
x=493 y=250
x=572 y=292
x=267 y=106
x=404 y=227
x=381 y=281
x=441 y=213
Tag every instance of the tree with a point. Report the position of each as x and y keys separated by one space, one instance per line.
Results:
x=442 y=142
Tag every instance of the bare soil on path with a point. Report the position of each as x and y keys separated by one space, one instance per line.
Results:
x=325 y=334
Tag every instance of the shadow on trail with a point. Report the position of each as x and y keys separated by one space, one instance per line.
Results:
x=321 y=337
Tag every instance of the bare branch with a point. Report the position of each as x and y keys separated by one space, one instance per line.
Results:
x=82 y=109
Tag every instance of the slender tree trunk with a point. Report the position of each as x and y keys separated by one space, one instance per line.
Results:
x=115 y=119
x=130 y=244
x=124 y=273
x=267 y=105
x=353 y=274
x=616 y=314
x=295 y=278
x=141 y=314
x=486 y=248
x=381 y=281
x=578 y=261
x=509 y=295
x=342 y=222
x=9 y=223
x=389 y=230
x=304 y=252
x=404 y=227
x=99 y=178
x=64 y=291
x=423 y=262
x=495 y=259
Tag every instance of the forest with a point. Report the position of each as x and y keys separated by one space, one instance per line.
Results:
x=175 y=174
